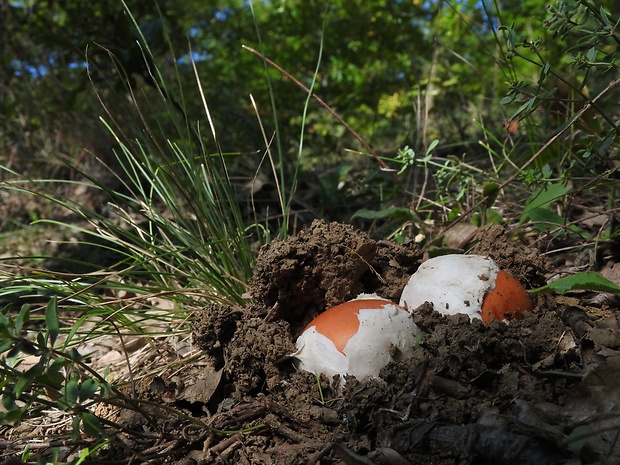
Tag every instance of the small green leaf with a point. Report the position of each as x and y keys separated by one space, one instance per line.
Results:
x=51 y=320
x=5 y=324
x=20 y=385
x=543 y=73
x=106 y=388
x=75 y=355
x=543 y=198
x=397 y=213
x=526 y=106
x=578 y=438
x=602 y=148
x=604 y=17
x=87 y=389
x=23 y=318
x=432 y=146
x=439 y=251
x=588 y=280
x=13 y=417
x=493 y=217
x=8 y=402
x=490 y=191
x=511 y=38
x=545 y=219
x=5 y=345
x=53 y=380
x=75 y=427
x=91 y=424
x=71 y=391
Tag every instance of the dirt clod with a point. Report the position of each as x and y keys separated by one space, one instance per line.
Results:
x=325 y=265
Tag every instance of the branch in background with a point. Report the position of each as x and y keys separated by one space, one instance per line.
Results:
x=323 y=104
x=533 y=158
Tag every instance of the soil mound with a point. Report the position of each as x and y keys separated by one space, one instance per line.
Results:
x=518 y=393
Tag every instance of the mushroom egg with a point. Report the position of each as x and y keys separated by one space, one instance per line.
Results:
x=356 y=338
x=469 y=284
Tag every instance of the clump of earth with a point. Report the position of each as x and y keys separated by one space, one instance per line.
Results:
x=541 y=390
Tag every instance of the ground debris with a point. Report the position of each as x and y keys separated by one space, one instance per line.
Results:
x=473 y=443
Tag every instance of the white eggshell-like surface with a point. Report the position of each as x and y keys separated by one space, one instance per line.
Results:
x=383 y=327
x=452 y=283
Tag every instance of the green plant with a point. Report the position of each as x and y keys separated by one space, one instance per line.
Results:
x=450 y=183
x=57 y=378
x=41 y=371
x=574 y=94
x=317 y=377
x=572 y=98
x=286 y=188
x=539 y=211
x=587 y=280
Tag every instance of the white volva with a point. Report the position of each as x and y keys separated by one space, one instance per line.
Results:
x=318 y=354
x=452 y=283
x=381 y=332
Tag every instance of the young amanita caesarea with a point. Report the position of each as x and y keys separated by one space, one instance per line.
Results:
x=469 y=284
x=357 y=338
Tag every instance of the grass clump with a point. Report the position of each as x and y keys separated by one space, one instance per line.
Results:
x=172 y=238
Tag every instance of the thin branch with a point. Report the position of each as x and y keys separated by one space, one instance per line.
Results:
x=533 y=158
x=323 y=104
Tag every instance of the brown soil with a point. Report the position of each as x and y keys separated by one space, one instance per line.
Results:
x=542 y=390
x=517 y=393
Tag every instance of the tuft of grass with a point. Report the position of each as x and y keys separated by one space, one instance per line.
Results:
x=170 y=238
x=172 y=231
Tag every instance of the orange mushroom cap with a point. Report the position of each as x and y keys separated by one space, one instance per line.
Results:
x=341 y=322
x=507 y=300
x=356 y=338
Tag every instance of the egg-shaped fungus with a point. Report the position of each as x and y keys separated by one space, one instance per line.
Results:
x=356 y=338
x=469 y=284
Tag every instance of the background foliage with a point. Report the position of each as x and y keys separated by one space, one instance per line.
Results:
x=402 y=74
